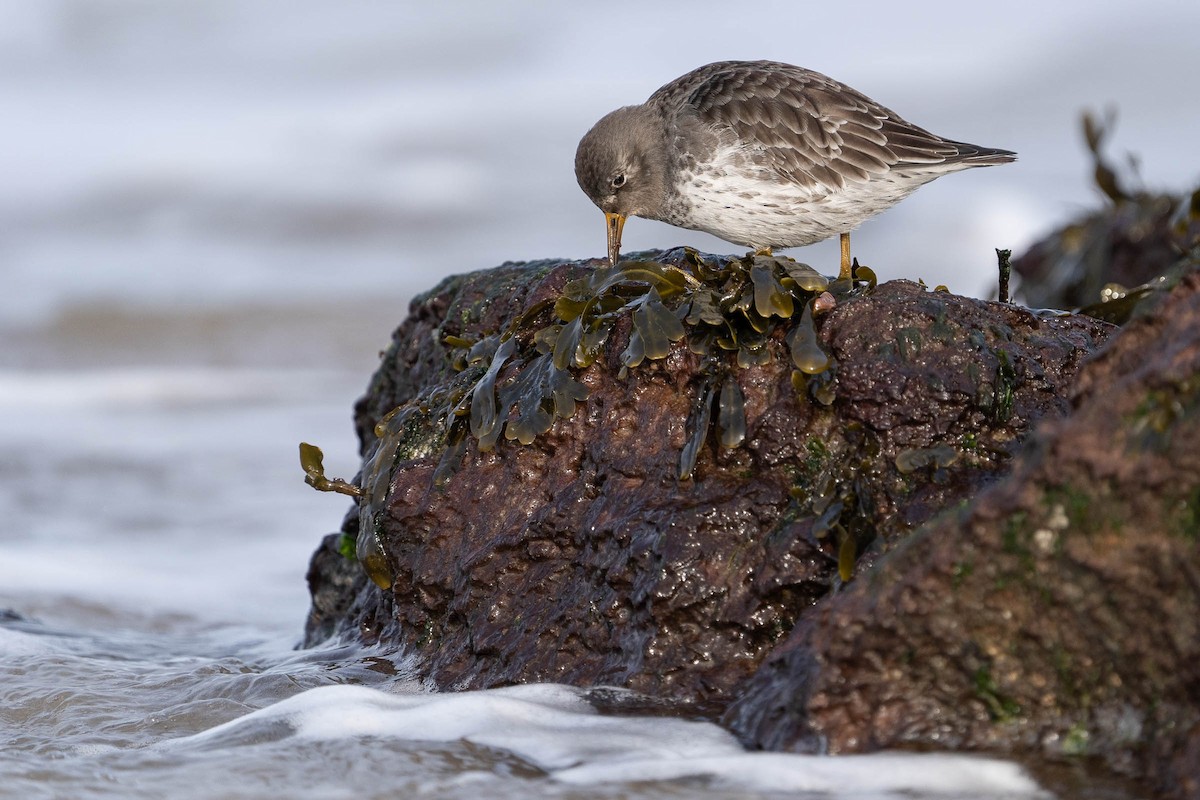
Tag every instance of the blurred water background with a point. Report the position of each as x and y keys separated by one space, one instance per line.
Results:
x=212 y=215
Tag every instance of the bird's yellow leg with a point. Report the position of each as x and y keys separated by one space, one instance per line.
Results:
x=765 y=252
x=845 y=272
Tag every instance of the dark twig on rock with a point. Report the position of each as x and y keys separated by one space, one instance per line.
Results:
x=1003 y=257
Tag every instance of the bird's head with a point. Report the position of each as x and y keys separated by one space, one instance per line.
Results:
x=621 y=165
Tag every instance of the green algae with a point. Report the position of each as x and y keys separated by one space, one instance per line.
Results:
x=1005 y=383
x=818 y=455
x=1183 y=515
x=1014 y=538
x=960 y=572
x=1081 y=510
x=1076 y=741
x=1000 y=707
x=908 y=344
x=1014 y=541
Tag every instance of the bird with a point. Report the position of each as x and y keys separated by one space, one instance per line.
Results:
x=762 y=154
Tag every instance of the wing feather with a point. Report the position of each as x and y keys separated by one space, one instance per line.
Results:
x=807 y=127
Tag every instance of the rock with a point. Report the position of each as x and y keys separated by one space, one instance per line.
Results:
x=1122 y=246
x=1058 y=613
x=584 y=558
x=1119 y=250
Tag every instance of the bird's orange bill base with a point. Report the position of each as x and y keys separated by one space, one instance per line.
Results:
x=616 y=222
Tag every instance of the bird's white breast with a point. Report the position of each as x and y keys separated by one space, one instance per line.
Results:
x=741 y=200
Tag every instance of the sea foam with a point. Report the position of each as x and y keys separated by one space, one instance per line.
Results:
x=554 y=728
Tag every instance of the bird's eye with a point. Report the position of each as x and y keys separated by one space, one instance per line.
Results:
x=618 y=181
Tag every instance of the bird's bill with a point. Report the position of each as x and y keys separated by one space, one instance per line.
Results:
x=616 y=222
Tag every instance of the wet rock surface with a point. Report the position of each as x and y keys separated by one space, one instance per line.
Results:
x=584 y=558
x=1057 y=614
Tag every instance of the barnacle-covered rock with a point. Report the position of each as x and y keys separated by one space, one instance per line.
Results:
x=646 y=477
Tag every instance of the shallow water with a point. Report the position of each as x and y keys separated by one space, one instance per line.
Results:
x=212 y=216
x=214 y=712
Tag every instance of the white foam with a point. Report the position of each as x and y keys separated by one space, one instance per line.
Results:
x=555 y=729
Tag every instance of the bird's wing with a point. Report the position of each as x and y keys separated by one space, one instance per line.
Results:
x=807 y=127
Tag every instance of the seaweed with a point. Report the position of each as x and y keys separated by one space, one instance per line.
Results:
x=726 y=312
x=731 y=414
x=485 y=418
x=698 y=424
x=515 y=383
x=807 y=354
x=312 y=461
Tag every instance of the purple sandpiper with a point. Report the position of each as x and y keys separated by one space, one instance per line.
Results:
x=761 y=154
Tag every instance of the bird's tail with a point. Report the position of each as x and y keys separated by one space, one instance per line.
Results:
x=976 y=156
